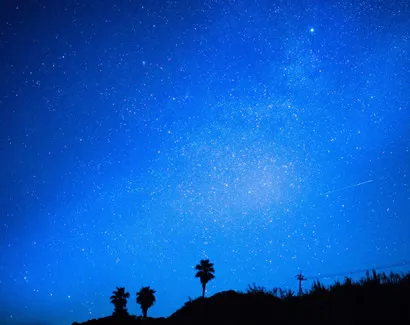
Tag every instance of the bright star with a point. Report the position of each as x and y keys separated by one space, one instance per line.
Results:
x=312 y=30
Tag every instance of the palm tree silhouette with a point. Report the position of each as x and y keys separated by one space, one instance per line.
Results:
x=119 y=300
x=205 y=273
x=146 y=298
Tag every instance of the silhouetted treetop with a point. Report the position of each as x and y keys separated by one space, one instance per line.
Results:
x=145 y=298
x=119 y=300
x=205 y=273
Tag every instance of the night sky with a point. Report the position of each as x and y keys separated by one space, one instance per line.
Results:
x=138 y=137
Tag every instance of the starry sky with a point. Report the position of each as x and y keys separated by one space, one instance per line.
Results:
x=138 y=137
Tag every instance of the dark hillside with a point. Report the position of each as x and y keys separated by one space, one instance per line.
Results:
x=375 y=298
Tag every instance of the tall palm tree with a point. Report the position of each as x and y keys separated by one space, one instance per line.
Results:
x=119 y=300
x=205 y=273
x=146 y=298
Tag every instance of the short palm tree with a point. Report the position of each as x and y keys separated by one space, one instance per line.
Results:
x=146 y=298
x=205 y=273
x=119 y=300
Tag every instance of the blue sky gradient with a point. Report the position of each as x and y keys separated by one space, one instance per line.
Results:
x=137 y=137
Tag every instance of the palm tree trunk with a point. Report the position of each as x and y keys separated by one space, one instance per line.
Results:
x=203 y=290
x=144 y=313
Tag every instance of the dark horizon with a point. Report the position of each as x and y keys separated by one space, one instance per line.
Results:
x=376 y=296
x=138 y=138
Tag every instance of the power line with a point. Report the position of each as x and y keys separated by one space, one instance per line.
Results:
x=333 y=275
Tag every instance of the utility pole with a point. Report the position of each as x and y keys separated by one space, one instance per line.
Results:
x=300 y=278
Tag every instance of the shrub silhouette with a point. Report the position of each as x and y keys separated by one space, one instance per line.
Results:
x=318 y=288
x=119 y=300
x=255 y=290
x=259 y=291
x=205 y=273
x=145 y=298
x=286 y=293
x=371 y=279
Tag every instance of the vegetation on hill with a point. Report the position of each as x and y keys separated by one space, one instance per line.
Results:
x=376 y=297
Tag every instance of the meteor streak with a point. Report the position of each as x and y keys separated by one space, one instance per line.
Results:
x=347 y=187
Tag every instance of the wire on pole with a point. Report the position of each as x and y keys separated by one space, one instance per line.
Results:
x=356 y=271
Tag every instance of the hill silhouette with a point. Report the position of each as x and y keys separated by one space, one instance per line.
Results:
x=376 y=297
